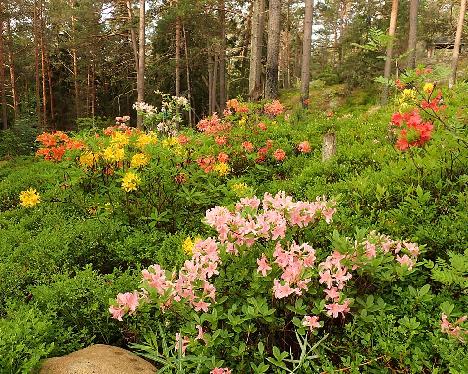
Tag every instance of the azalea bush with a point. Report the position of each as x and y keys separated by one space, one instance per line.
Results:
x=255 y=281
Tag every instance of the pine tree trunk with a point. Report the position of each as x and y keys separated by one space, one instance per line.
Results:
x=271 y=83
x=36 y=65
x=43 y=67
x=222 y=56
x=388 y=59
x=306 y=48
x=456 y=45
x=51 y=92
x=256 y=48
x=133 y=36
x=214 y=92
x=11 y=61
x=141 y=61
x=2 y=78
x=177 y=57
x=210 y=83
x=412 y=34
x=187 y=72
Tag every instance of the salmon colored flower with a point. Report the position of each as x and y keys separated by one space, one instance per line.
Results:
x=279 y=154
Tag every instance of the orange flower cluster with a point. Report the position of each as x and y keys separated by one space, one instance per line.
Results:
x=212 y=125
x=237 y=107
x=275 y=108
x=55 y=144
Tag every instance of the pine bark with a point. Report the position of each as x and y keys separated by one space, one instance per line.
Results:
x=187 y=72
x=177 y=57
x=412 y=34
x=222 y=56
x=141 y=61
x=133 y=36
x=43 y=66
x=11 y=61
x=2 y=77
x=456 y=45
x=271 y=82
x=36 y=65
x=256 y=48
x=306 y=49
x=389 y=56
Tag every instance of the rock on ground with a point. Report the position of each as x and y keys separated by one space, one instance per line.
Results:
x=98 y=359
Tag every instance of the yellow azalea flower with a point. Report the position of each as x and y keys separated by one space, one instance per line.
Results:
x=29 y=198
x=119 y=139
x=139 y=160
x=240 y=189
x=146 y=139
x=407 y=95
x=428 y=88
x=188 y=244
x=114 y=154
x=242 y=121
x=88 y=159
x=221 y=168
x=130 y=181
x=170 y=142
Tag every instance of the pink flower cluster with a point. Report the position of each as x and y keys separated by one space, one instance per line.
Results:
x=274 y=108
x=125 y=303
x=304 y=147
x=453 y=329
x=245 y=227
x=212 y=125
x=221 y=371
x=405 y=253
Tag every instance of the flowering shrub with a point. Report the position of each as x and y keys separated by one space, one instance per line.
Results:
x=411 y=130
x=275 y=108
x=54 y=145
x=261 y=237
x=29 y=198
x=166 y=120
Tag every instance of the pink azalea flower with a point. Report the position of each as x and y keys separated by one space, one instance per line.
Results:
x=304 y=147
x=181 y=344
x=117 y=313
x=280 y=290
x=405 y=260
x=221 y=371
x=311 y=322
x=263 y=266
x=279 y=154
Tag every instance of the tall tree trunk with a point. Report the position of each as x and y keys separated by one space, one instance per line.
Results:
x=214 y=93
x=11 y=61
x=210 y=82
x=388 y=59
x=141 y=61
x=456 y=45
x=75 y=63
x=133 y=36
x=2 y=77
x=177 y=57
x=256 y=48
x=271 y=83
x=222 y=56
x=288 y=46
x=36 y=65
x=306 y=47
x=187 y=72
x=51 y=92
x=412 y=34
x=43 y=66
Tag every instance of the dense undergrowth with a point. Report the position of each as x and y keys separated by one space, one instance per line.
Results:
x=89 y=238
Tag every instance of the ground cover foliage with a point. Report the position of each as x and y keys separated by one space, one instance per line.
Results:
x=98 y=217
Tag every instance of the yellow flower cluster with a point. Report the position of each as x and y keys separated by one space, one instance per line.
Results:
x=241 y=189
x=29 y=198
x=114 y=154
x=146 y=139
x=188 y=244
x=222 y=168
x=139 y=160
x=428 y=88
x=130 y=181
x=87 y=159
x=119 y=139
